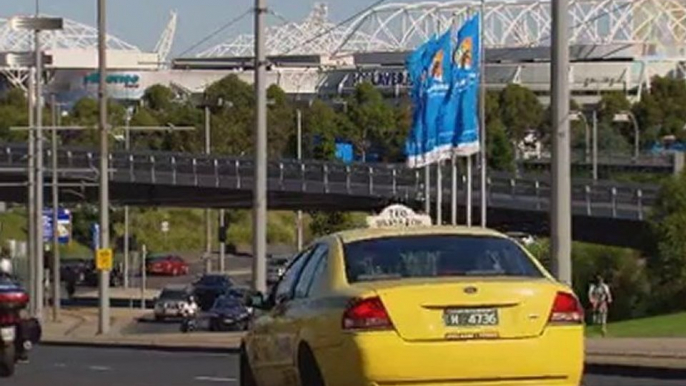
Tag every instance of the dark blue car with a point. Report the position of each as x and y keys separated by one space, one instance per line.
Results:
x=229 y=313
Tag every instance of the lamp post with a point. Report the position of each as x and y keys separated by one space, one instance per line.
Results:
x=628 y=116
x=299 y=213
x=37 y=25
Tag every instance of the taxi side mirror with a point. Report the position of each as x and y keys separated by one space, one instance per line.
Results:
x=257 y=300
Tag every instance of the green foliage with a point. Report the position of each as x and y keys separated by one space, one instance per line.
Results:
x=520 y=110
x=324 y=223
x=661 y=109
x=663 y=326
x=370 y=120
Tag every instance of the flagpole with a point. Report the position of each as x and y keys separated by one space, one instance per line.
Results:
x=453 y=191
x=439 y=193
x=468 y=192
x=482 y=116
x=427 y=189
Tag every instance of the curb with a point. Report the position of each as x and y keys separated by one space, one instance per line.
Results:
x=141 y=346
x=635 y=371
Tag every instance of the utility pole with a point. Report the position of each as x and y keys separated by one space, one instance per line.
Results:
x=104 y=275
x=208 y=212
x=594 y=156
x=222 y=241
x=561 y=216
x=40 y=263
x=127 y=246
x=32 y=242
x=55 y=218
x=260 y=189
x=299 y=214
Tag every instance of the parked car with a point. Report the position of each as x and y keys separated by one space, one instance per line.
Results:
x=91 y=278
x=171 y=301
x=74 y=266
x=276 y=266
x=209 y=287
x=229 y=313
x=166 y=265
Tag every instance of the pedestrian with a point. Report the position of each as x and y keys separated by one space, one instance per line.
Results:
x=600 y=297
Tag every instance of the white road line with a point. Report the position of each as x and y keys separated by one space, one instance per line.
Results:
x=60 y=365
x=99 y=368
x=214 y=379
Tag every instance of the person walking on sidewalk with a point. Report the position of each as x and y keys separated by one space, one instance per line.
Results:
x=600 y=297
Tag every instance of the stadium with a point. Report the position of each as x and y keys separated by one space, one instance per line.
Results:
x=616 y=45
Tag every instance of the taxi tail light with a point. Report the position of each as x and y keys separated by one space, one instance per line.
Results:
x=366 y=314
x=566 y=310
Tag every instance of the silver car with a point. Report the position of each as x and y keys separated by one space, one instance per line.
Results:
x=171 y=302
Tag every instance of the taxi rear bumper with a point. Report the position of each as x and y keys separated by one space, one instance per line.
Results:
x=554 y=358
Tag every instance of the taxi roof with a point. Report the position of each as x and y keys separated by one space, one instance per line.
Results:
x=359 y=234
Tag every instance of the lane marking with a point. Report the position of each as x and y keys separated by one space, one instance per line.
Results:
x=214 y=379
x=60 y=365
x=99 y=368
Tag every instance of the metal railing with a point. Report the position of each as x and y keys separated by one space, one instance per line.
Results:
x=382 y=181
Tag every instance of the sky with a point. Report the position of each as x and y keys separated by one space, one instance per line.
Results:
x=140 y=22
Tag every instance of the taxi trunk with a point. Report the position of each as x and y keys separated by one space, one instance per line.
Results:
x=468 y=308
x=476 y=331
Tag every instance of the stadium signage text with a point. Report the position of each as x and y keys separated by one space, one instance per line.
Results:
x=382 y=78
x=126 y=80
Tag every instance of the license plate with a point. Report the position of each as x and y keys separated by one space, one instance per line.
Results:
x=7 y=334
x=471 y=317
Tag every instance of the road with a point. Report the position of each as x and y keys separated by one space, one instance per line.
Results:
x=118 y=367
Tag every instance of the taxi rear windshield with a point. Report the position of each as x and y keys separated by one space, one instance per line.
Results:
x=427 y=256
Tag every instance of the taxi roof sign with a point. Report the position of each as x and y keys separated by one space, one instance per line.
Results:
x=398 y=216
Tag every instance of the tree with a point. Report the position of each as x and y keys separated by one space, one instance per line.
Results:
x=325 y=223
x=520 y=111
x=498 y=145
x=370 y=119
x=320 y=128
x=233 y=104
x=280 y=122
x=661 y=109
x=667 y=263
x=159 y=98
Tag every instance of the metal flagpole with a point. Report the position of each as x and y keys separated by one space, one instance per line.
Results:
x=427 y=189
x=482 y=116
x=453 y=192
x=439 y=193
x=468 y=191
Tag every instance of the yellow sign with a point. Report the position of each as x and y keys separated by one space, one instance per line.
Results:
x=103 y=259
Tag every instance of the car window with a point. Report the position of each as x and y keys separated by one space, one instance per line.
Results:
x=319 y=273
x=284 y=289
x=399 y=257
x=305 y=279
x=173 y=295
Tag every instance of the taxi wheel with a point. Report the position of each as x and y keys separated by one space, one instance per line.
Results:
x=310 y=375
x=246 y=376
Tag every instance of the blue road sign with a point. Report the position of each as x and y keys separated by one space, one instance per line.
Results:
x=64 y=225
x=95 y=236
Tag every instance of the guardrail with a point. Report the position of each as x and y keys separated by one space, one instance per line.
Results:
x=388 y=181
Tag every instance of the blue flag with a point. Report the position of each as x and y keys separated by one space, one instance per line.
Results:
x=464 y=96
x=417 y=145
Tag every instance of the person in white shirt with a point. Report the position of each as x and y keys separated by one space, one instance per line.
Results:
x=600 y=297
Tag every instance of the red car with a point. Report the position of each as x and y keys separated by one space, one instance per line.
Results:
x=166 y=266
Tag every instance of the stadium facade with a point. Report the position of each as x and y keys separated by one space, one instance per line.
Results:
x=616 y=45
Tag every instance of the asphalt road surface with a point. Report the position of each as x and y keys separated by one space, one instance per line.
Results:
x=118 y=367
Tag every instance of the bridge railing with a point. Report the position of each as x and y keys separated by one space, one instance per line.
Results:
x=382 y=180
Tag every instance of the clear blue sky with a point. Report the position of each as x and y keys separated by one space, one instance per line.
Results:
x=140 y=22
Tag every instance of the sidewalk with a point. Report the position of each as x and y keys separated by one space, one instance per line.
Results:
x=80 y=327
x=132 y=328
x=642 y=352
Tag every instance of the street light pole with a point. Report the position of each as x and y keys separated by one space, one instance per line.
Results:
x=299 y=214
x=104 y=278
x=222 y=243
x=595 y=146
x=260 y=189
x=208 y=212
x=127 y=245
x=561 y=216
x=55 y=211
x=482 y=119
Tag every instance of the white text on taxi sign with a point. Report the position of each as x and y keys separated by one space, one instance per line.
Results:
x=398 y=216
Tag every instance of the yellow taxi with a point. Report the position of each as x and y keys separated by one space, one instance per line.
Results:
x=405 y=303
